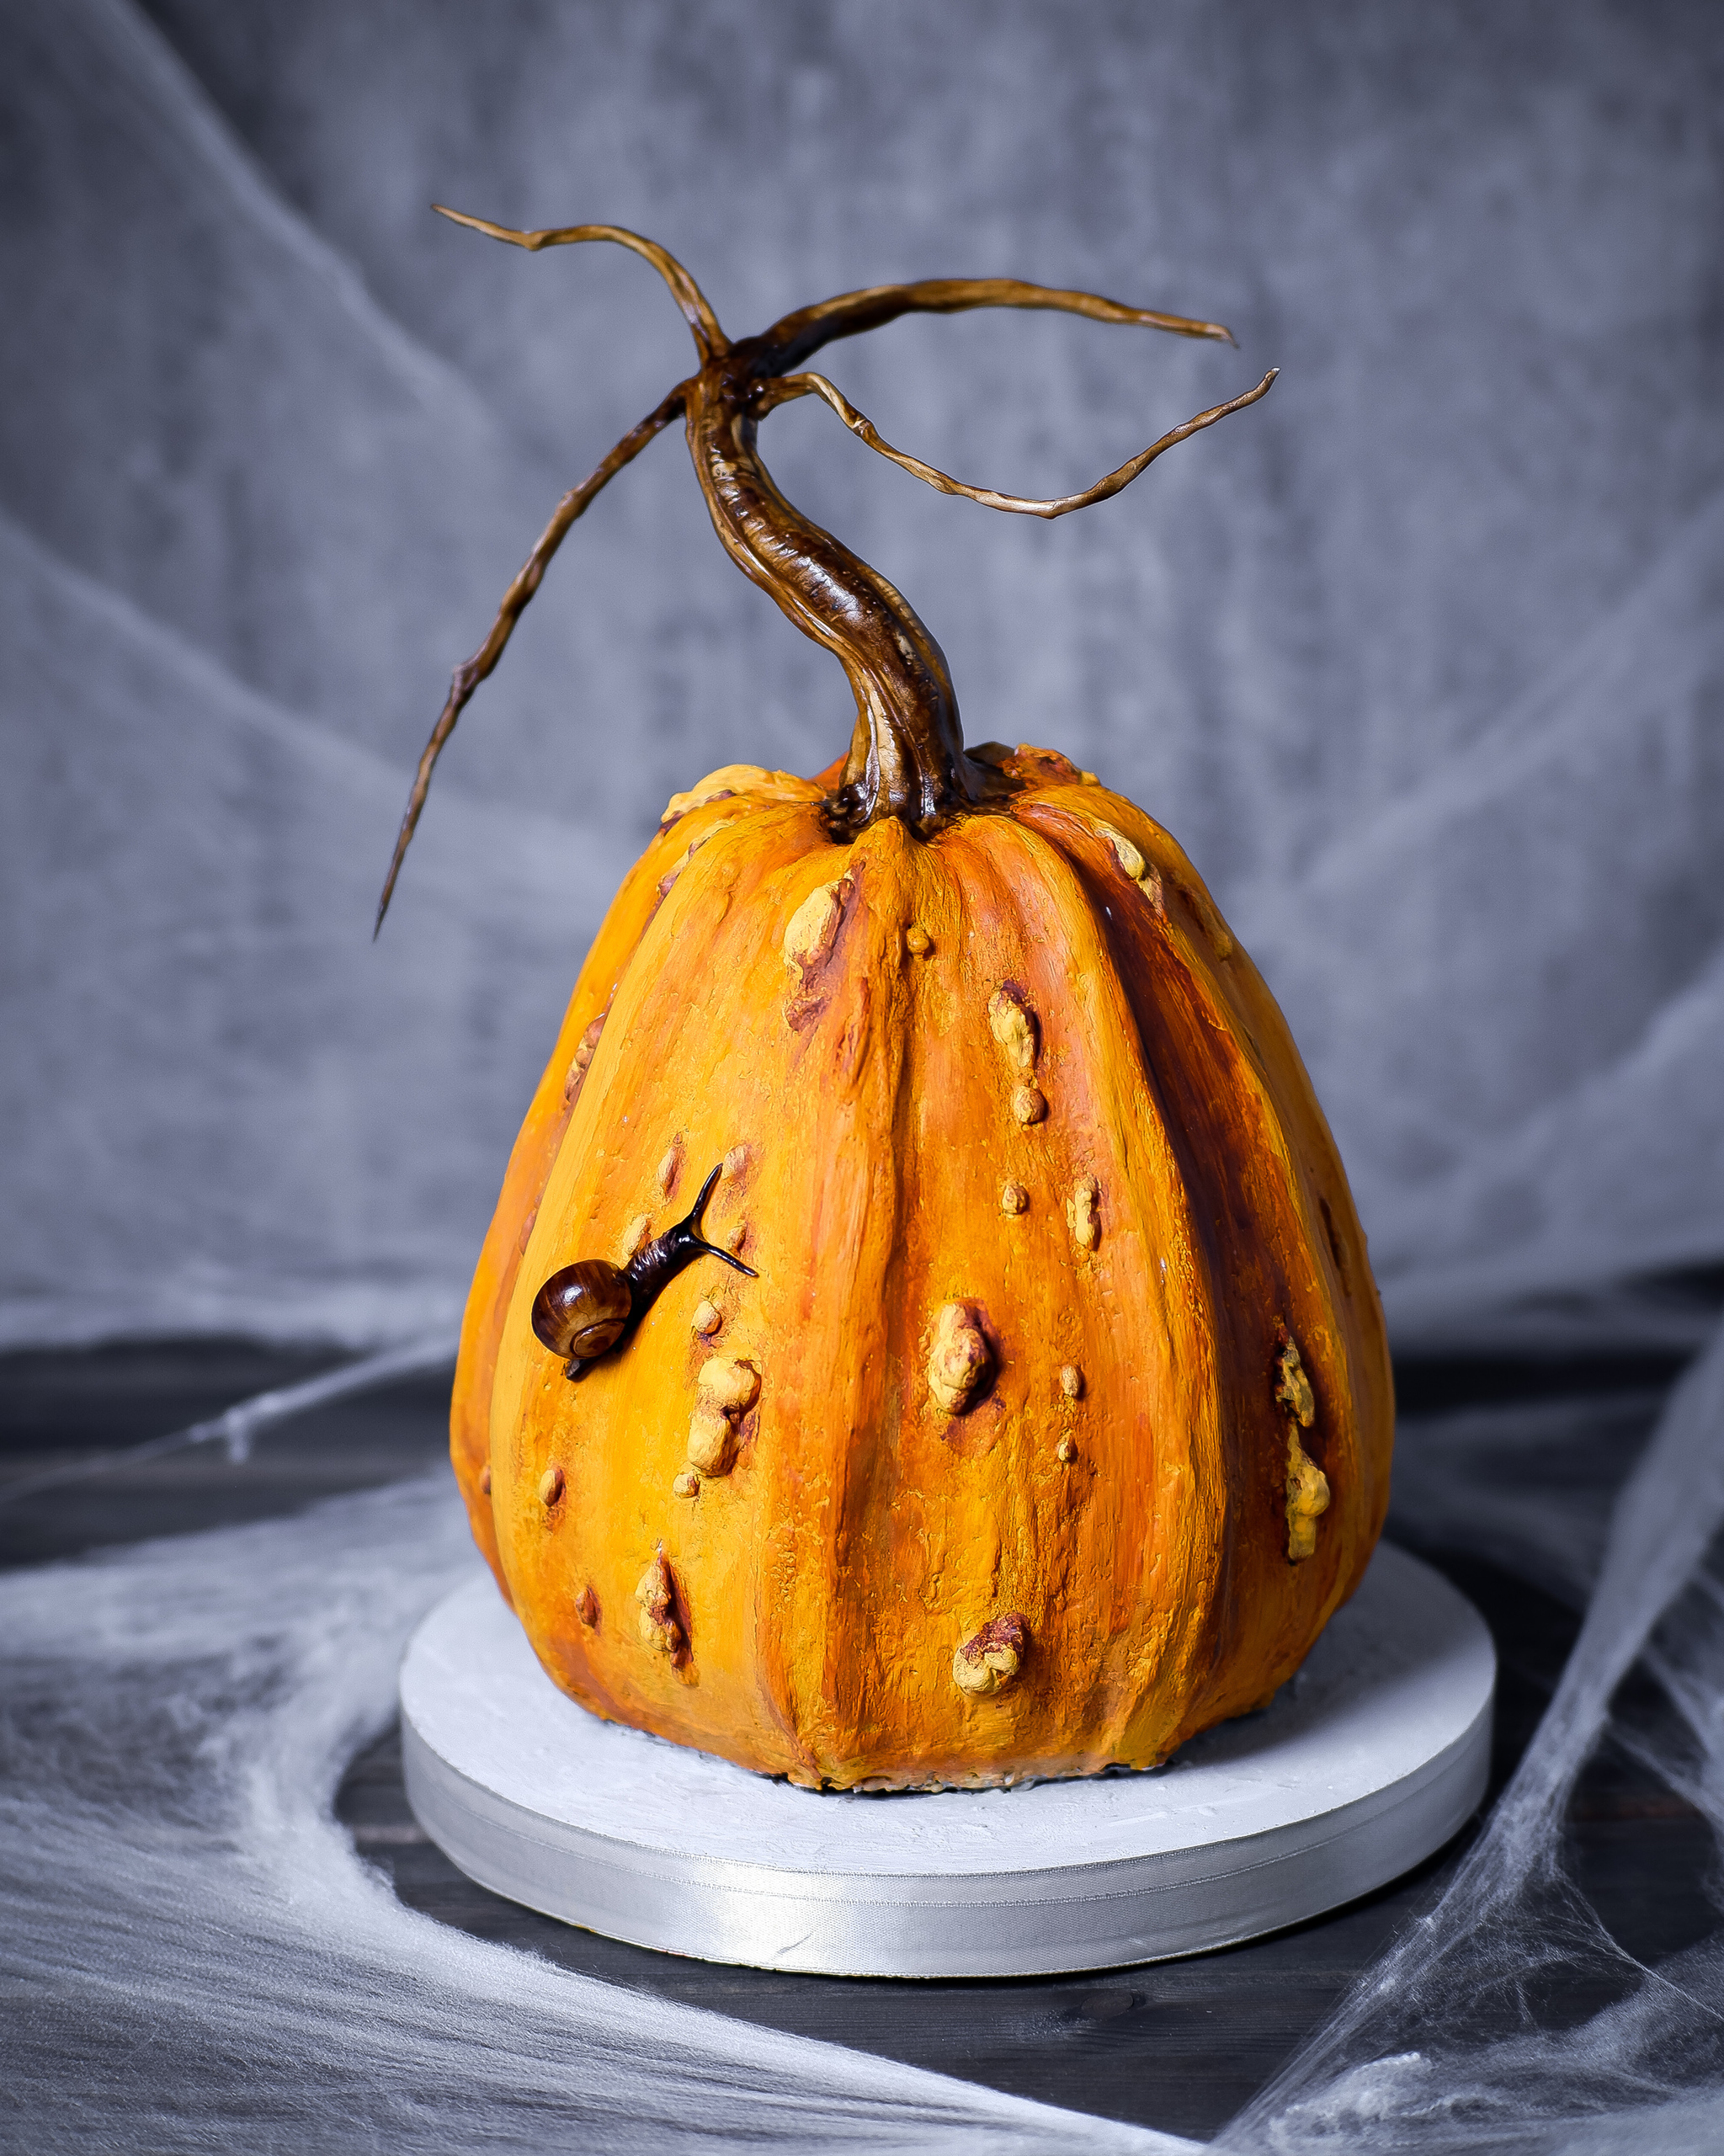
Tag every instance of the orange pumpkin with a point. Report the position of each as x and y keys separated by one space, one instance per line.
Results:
x=1051 y=1420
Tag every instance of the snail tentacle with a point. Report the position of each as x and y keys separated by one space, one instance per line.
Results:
x=662 y=1259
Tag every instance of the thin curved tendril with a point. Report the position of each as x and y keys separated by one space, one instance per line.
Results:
x=800 y=335
x=697 y=312
x=789 y=387
x=471 y=672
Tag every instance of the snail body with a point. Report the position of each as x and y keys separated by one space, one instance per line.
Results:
x=589 y=1307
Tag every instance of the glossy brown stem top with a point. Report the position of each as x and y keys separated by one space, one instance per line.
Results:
x=906 y=755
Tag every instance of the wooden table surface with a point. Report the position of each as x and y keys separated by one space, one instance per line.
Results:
x=1178 y=2045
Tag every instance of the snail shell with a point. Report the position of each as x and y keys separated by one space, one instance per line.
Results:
x=583 y=1310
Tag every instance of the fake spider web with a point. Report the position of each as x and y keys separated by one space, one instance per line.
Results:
x=176 y=1891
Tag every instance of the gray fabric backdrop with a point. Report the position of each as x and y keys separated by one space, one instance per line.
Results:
x=1422 y=658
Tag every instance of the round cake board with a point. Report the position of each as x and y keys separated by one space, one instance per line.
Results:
x=1371 y=1757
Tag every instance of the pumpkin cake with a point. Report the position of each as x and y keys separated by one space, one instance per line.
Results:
x=925 y=1338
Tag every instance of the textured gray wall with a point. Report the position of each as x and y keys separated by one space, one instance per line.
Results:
x=1422 y=658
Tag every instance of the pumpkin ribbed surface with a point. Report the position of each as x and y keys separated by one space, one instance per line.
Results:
x=1049 y=1234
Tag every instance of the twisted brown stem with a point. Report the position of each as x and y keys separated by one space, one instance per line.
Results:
x=907 y=756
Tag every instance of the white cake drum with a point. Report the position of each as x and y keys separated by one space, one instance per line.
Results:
x=1371 y=1757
